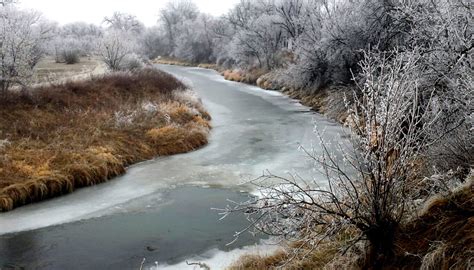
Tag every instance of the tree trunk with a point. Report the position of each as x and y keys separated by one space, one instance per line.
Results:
x=381 y=250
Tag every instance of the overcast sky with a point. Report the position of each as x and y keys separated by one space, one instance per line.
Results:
x=93 y=11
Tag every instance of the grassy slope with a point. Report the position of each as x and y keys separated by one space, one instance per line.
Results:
x=59 y=138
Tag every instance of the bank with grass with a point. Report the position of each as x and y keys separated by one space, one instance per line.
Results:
x=328 y=101
x=58 y=138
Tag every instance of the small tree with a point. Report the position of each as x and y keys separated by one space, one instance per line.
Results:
x=114 y=47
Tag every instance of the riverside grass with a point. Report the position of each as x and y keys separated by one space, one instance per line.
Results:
x=56 y=139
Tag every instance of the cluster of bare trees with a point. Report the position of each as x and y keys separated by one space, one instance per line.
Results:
x=25 y=37
x=74 y=40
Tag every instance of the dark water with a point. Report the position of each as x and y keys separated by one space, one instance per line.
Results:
x=185 y=225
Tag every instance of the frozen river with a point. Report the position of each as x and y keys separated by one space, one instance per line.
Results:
x=161 y=209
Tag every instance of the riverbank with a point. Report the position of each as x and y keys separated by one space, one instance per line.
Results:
x=56 y=139
x=328 y=101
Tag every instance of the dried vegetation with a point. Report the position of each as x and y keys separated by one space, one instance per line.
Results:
x=55 y=139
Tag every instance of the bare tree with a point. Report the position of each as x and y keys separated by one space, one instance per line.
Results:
x=125 y=22
x=194 y=43
x=115 y=47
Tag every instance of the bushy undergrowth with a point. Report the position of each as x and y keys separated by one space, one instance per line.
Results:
x=440 y=237
x=62 y=137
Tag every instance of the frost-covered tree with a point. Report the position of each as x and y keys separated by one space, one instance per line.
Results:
x=260 y=41
x=22 y=34
x=292 y=17
x=173 y=16
x=74 y=40
x=442 y=32
x=120 y=46
x=335 y=33
x=125 y=22
x=259 y=34
x=194 y=42
x=114 y=47
x=153 y=42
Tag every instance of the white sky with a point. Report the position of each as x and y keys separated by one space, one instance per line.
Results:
x=94 y=11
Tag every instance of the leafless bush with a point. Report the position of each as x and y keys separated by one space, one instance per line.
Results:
x=70 y=56
x=132 y=62
x=115 y=47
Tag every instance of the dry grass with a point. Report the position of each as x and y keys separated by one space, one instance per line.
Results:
x=209 y=66
x=178 y=62
x=283 y=260
x=55 y=139
x=48 y=70
x=173 y=62
x=443 y=236
x=248 y=76
x=296 y=256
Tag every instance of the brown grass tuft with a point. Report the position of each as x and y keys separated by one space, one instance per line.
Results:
x=443 y=236
x=296 y=256
x=174 y=62
x=63 y=137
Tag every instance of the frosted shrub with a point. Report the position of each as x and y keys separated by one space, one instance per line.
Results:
x=70 y=56
x=188 y=97
x=114 y=47
x=132 y=62
x=21 y=36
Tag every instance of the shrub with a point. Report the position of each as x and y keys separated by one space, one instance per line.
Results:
x=132 y=62
x=70 y=57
